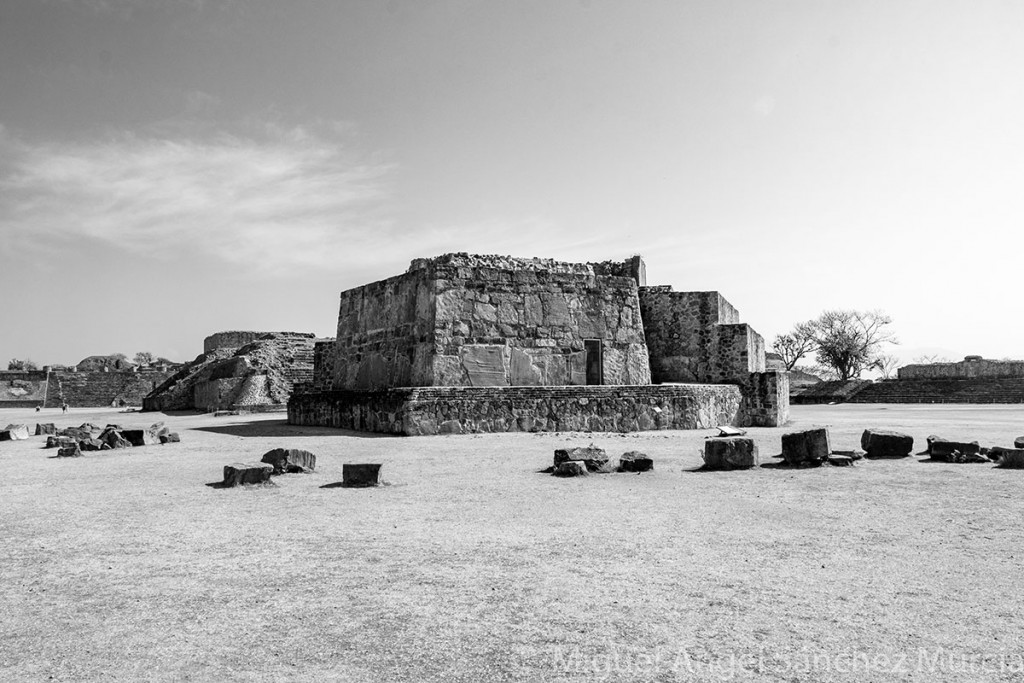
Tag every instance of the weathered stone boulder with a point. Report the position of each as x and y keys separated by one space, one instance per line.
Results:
x=1010 y=458
x=808 y=448
x=45 y=429
x=15 y=432
x=242 y=473
x=1018 y=442
x=291 y=460
x=170 y=437
x=881 y=443
x=113 y=438
x=730 y=453
x=90 y=427
x=72 y=451
x=595 y=458
x=634 y=461
x=571 y=468
x=944 y=450
x=139 y=437
x=59 y=441
x=932 y=439
x=75 y=433
x=90 y=444
x=154 y=431
x=358 y=475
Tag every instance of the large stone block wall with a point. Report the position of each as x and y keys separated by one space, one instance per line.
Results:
x=765 y=399
x=99 y=389
x=965 y=369
x=19 y=389
x=736 y=351
x=686 y=339
x=323 y=365
x=385 y=334
x=456 y=410
x=499 y=326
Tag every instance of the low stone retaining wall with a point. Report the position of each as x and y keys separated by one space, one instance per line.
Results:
x=457 y=410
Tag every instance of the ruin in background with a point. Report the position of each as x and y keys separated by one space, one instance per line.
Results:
x=468 y=343
x=244 y=371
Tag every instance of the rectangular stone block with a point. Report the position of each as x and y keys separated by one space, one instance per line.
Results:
x=357 y=475
x=242 y=473
x=943 y=450
x=45 y=429
x=1010 y=458
x=634 y=461
x=730 y=453
x=809 y=447
x=880 y=443
x=15 y=432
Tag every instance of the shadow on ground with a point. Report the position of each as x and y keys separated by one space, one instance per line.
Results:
x=265 y=428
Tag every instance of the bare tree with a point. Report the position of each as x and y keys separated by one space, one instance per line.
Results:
x=793 y=346
x=850 y=341
x=887 y=364
x=24 y=365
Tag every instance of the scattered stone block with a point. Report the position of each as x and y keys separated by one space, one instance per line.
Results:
x=571 y=468
x=726 y=430
x=291 y=460
x=634 y=461
x=16 y=432
x=595 y=458
x=359 y=475
x=59 y=441
x=113 y=438
x=730 y=453
x=1018 y=442
x=1010 y=458
x=851 y=454
x=75 y=433
x=72 y=451
x=154 y=431
x=933 y=439
x=807 y=448
x=90 y=444
x=139 y=437
x=45 y=429
x=90 y=427
x=944 y=450
x=170 y=437
x=246 y=473
x=881 y=443
x=838 y=460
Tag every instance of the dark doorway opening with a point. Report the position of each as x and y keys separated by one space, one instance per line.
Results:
x=594 y=364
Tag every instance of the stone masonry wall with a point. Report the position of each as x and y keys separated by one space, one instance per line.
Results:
x=503 y=327
x=99 y=389
x=456 y=410
x=385 y=334
x=682 y=333
x=323 y=365
x=966 y=369
x=765 y=399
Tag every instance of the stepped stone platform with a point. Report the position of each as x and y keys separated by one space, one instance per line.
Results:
x=979 y=390
x=458 y=410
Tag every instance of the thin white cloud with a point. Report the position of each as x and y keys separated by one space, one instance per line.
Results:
x=286 y=197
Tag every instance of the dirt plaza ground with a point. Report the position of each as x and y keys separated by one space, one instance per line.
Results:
x=472 y=566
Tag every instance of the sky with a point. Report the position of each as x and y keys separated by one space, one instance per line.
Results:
x=174 y=168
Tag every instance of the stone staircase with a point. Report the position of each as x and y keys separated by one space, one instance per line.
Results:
x=988 y=390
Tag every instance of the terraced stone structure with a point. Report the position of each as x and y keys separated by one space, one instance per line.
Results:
x=465 y=343
x=257 y=376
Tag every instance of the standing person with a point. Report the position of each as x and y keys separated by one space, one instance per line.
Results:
x=64 y=407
